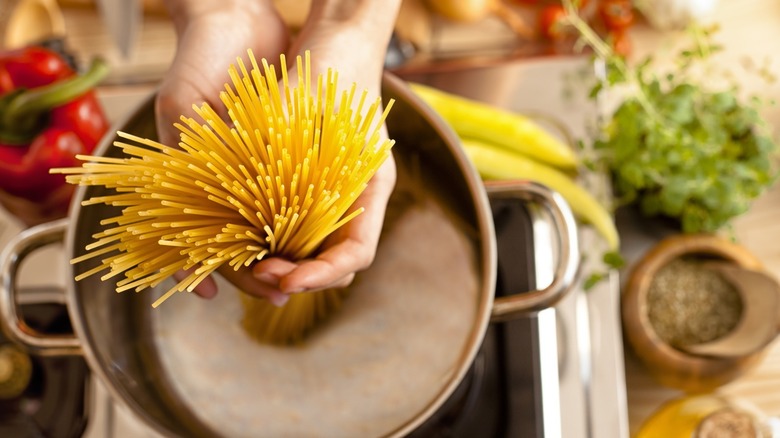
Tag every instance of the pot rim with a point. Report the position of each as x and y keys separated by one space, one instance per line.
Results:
x=487 y=251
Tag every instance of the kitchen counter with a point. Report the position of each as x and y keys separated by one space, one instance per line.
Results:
x=746 y=28
x=758 y=230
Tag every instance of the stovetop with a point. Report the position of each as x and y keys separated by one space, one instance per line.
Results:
x=499 y=397
x=53 y=402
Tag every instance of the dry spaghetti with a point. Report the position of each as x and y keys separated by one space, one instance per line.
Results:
x=275 y=179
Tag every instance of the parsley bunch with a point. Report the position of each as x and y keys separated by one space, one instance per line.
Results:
x=675 y=147
x=701 y=160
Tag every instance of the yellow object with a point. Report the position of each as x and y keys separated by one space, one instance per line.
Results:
x=512 y=131
x=496 y=163
x=701 y=416
x=274 y=180
x=29 y=22
x=469 y=11
x=15 y=371
x=462 y=10
x=267 y=323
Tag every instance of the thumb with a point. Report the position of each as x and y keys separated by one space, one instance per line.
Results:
x=174 y=99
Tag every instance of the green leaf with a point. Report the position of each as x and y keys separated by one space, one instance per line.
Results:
x=723 y=102
x=593 y=280
x=613 y=259
x=676 y=147
x=595 y=90
x=673 y=196
x=633 y=175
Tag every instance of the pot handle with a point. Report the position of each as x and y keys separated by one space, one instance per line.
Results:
x=14 y=327
x=507 y=307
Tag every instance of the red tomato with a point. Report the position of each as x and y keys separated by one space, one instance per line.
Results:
x=616 y=14
x=621 y=43
x=552 y=22
x=580 y=4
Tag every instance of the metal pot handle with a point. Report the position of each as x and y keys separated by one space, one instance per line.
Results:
x=15 y=328
x=507 y=307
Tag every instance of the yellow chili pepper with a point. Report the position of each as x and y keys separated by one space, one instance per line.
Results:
x=510 y=130
x=495 y=163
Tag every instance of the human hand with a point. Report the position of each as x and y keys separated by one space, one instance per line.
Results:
x=211 y=35
x=346 y=47
x=348 y=250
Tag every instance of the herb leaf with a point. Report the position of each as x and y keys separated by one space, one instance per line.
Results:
x=675 y=147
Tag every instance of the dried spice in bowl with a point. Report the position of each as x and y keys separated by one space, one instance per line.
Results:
x=670 y=365
x=688 y=303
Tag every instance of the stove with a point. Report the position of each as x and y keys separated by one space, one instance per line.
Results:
x=513 y=388
x=558 y=372
x=42 y=396
x=497 y=398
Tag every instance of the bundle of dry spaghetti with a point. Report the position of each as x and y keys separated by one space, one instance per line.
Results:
x=274 y=180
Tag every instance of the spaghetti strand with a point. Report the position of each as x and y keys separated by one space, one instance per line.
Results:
x=273 y=179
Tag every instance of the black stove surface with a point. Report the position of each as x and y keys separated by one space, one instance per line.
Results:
x=498 y=398
x=53 y=403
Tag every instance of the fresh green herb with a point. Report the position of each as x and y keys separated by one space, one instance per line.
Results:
x=610 y=260
x=593 y=279
x=676 y=148
x=613 y=259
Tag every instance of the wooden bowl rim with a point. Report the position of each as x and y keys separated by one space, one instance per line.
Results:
x=642 y=335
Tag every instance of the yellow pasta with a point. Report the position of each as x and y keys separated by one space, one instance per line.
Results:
x=274 y=180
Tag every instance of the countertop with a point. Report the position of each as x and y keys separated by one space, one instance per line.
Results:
x=749 y=29
x=746 y=29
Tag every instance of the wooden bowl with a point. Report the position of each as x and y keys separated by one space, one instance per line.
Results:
x=668 y=365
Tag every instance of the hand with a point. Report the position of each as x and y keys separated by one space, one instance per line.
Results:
x=356 y=50
x=211 y=35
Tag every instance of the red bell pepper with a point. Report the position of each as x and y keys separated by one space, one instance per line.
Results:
x=48 y=114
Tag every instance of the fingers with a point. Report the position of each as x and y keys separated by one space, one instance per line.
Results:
x=206 y=45
x=247 y=282
x=173 y=101
x=271 y=270
x=206 y=289
x=350 y=249
x=209 y=40
x=335 y=267
x=265 y=285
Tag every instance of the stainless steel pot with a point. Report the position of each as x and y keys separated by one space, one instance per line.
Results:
x=379 y=367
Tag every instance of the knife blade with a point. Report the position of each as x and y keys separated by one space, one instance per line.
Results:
x=123 y=20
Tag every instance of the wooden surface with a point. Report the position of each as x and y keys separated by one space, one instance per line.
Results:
x=749 y=30
x=759 y=231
